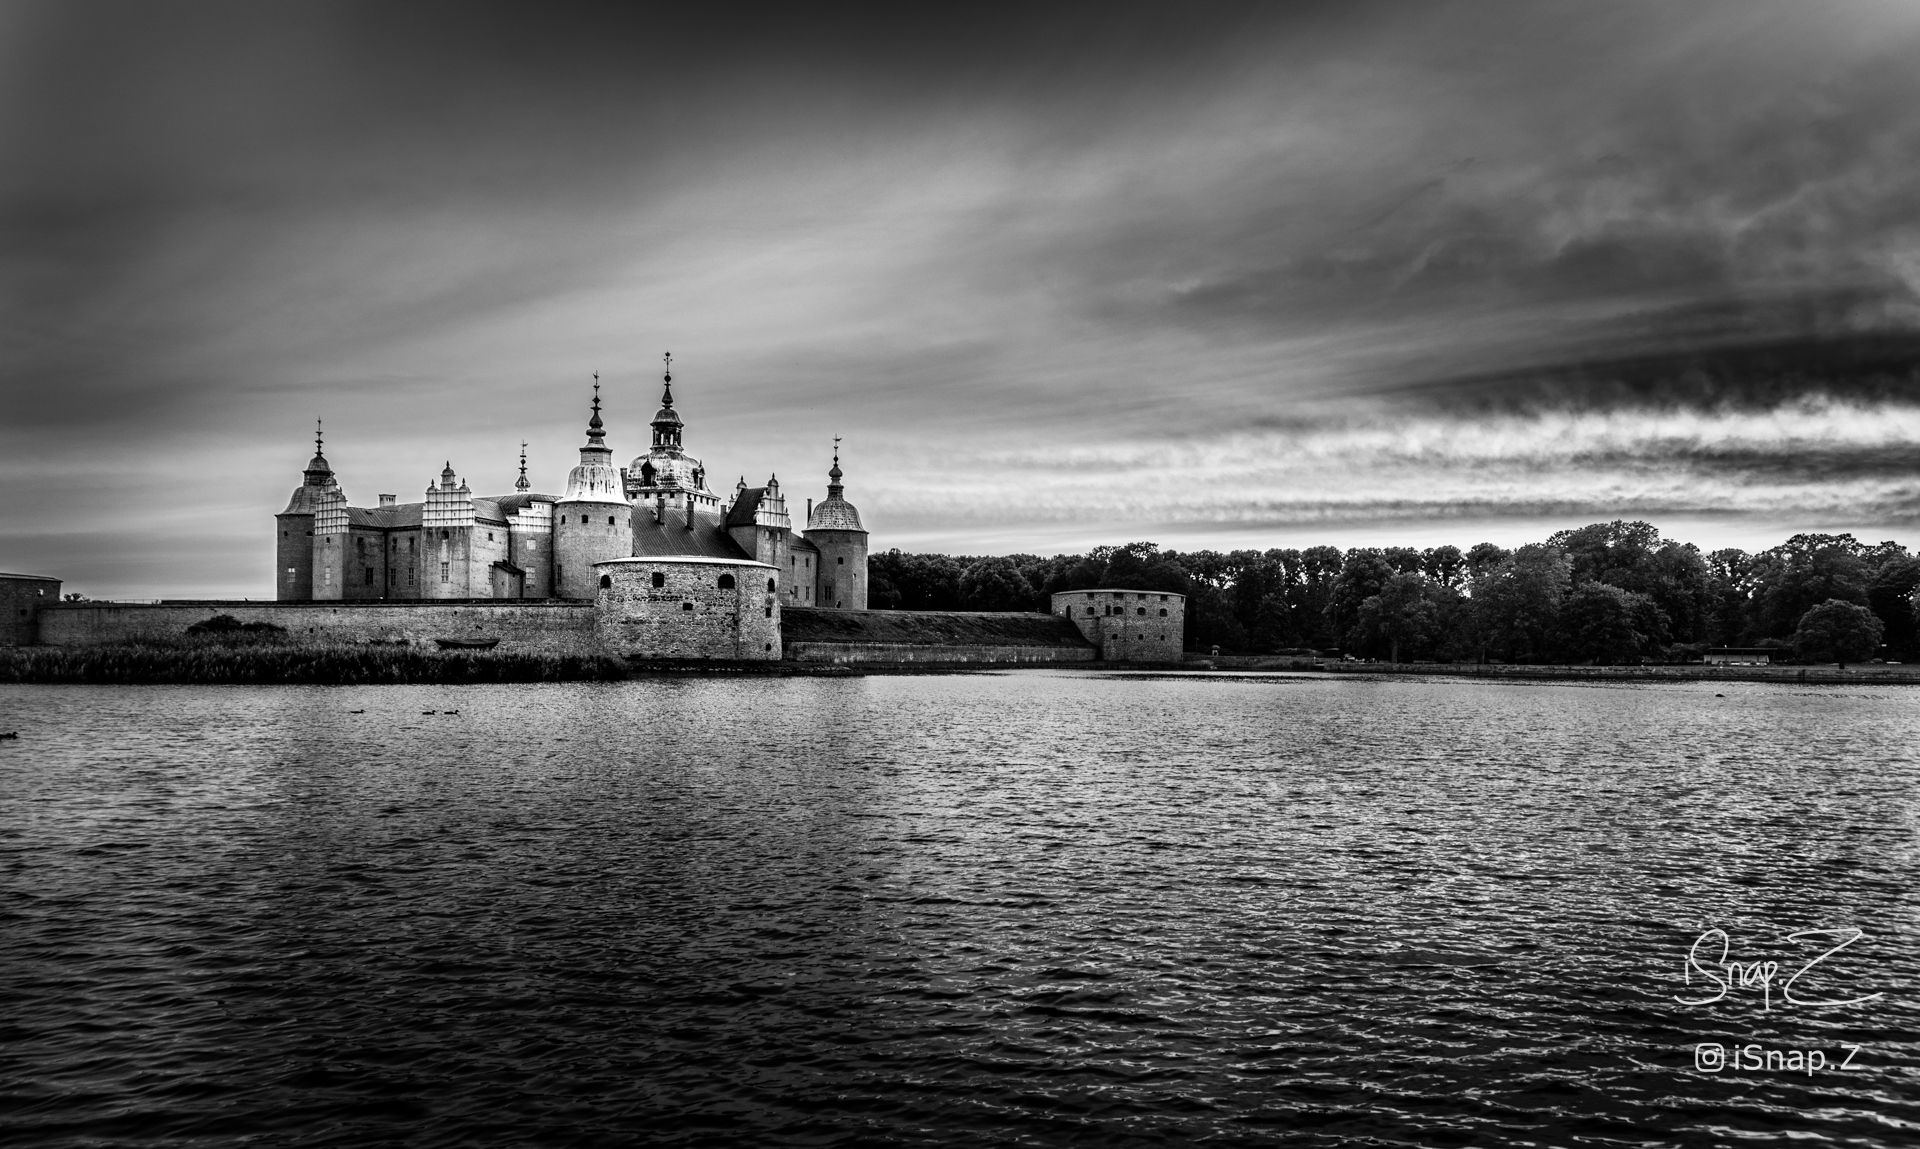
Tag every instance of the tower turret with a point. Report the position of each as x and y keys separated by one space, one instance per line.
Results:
x=293 y=548
x=593 y=520
x=666 y=477
x=833 y=527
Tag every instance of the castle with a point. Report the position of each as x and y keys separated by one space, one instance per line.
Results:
x=681 y=572
x=643 y=562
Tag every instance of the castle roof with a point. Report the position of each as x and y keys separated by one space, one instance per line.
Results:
x=671 y=537
x=746 y=504
x=834 y=514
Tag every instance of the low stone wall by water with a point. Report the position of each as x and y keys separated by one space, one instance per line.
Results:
x=895 y=652
x=521 y=627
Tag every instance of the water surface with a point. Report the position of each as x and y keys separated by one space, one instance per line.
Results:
x=1021 y=908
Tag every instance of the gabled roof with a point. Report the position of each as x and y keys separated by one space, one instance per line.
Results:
x=405 y=516
x=745 y=506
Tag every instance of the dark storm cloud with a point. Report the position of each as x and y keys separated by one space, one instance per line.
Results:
x=1337 y=256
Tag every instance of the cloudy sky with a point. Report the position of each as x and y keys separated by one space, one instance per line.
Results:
x=1212 y=275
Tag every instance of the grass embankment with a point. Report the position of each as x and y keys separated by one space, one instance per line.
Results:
x=195 y=662
x=927 y=628
x=1824 y=674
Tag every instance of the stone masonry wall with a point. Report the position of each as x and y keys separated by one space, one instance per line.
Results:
x=557 y=628
x=678 y=608
x=1128 y=625
x=22 y=598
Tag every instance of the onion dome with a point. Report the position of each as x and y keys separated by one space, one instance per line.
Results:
x=834 y=513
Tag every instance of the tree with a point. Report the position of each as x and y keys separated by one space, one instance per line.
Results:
x=1804 y=571
x=1602 y=623
x=1445 y=565
x=1838 y=630
x=1402 y=615
x=1516 y=605
x=1890 y=597
x=995 y=584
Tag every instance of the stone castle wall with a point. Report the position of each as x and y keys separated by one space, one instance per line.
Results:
x=555 y=628
x=682 y=608
x=1128 y=625
x=22 y=598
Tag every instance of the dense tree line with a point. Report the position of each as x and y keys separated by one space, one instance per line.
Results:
x=1605 y=593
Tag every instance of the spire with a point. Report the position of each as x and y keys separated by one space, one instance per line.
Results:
x=319 y=474
x=521 y=484
x=833 y=477
x=596 y=430
x=666 y=421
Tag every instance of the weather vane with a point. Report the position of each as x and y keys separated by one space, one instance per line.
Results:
x=668 y=358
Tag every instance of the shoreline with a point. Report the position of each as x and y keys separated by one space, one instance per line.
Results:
x=1825 y=675
x=216 y=664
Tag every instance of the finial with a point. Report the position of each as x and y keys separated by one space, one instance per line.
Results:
x=319 y=440
x=666 y=394
x=594 y=424
x=522 y=484
x=668 y=359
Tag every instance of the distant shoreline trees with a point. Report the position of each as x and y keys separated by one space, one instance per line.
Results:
x=1607 y=593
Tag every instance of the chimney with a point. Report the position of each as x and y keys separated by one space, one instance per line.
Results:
x=659 y=508
x=689 y=511
x=388 y=500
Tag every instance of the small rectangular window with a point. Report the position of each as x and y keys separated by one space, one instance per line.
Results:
x=446 y=572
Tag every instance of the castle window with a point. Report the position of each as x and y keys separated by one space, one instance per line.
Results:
x=1163 y=598
x=726 y=582
x=769 y=612
x=369 y=576
x=446 y=572
x=659 y=579
x=563 y=518
x=1089 y=610
x=769 y=586
x=1163 y=612
x=686 y=606
x=1142 y=610
x=609 y=520
x=841 y=561
x=606 y=582
x=289 y=572
x=489 y=536
x=445 y=535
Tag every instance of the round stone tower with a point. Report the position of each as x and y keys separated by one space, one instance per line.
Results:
x=293 y=549
x=833 y=527
x=592 y=521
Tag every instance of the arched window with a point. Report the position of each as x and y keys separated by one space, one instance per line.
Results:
x=726 y=582
x=769 y=586
x=1163 y=612
x=659 y=579
x=1141 y=611
x=606 y=582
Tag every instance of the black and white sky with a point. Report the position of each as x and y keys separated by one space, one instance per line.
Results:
x=1061 y=275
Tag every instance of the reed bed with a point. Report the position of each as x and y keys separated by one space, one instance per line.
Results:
x=192 y=662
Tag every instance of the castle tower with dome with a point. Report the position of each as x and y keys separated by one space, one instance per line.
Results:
x=834 y=530
x=680 y=571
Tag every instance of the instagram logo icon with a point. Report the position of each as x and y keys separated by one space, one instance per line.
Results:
x=1709 y=1057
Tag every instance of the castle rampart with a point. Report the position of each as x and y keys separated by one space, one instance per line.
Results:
x=1127 y=625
